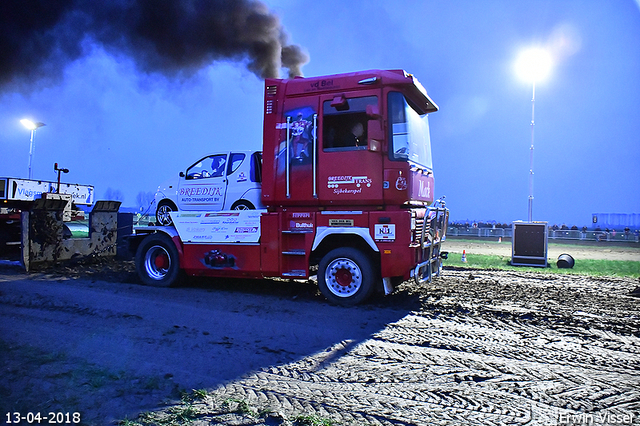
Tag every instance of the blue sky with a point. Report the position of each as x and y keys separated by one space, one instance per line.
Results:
x=119 y=128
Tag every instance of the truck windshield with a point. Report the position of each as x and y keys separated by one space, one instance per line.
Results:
x=409 y=132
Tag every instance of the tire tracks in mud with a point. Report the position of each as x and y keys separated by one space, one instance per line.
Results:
x=468 y=359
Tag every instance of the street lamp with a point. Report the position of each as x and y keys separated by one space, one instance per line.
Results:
x=31 y=126
x=533 y=65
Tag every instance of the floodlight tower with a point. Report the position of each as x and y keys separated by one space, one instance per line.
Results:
x=533 y=65
x=33 y=127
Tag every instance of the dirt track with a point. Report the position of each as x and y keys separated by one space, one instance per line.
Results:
x=474 y=347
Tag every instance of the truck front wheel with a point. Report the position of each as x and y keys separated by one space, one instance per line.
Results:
x=157 y=261
x=346 y=276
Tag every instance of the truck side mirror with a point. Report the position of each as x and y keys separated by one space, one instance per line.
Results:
x=340 y=103
x=181 y=174
x=373 y=112
x=374 y=130
x=375 y=145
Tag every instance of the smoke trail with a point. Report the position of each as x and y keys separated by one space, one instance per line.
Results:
x=38 y=38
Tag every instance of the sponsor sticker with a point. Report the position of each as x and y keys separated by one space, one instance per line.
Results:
x=384 y=232
x=341 y=222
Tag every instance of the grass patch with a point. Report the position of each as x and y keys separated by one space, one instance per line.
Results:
x=200 y=394
x=217 y=411
x=193 y=396
x=174 y=416
x=592 y=267
x=239 y=406
x=128 y=422
x=313 y=421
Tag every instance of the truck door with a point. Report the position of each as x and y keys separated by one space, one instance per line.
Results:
x=295 y=157
x=204 y=184
x=350 y=157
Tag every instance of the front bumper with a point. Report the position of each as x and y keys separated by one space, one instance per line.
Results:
x=429 y=232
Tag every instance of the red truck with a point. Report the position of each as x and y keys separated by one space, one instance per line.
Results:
x=347 y=181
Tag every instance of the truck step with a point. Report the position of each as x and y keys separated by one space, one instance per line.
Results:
x=296 y=252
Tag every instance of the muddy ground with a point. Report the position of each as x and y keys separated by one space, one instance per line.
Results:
x=473 y=347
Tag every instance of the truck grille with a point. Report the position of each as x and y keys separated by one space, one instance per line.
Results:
x=429 y=226
x=429 y=230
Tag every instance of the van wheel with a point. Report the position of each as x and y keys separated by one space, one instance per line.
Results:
x=157 y=262
x=162 y=213
x=346 y=276
x=242 y=205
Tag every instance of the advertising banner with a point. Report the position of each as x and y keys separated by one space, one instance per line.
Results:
x=30 y=190
x=231 y=226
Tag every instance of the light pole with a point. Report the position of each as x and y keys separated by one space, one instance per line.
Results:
x=31 y=126
x=533 y=65
x=533 y=109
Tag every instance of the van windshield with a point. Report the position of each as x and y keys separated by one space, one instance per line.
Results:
x=409 y=132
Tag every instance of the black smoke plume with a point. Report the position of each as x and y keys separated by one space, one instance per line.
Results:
x=38 y=38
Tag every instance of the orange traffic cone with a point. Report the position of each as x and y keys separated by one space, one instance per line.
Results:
x=464 y=256
x=499 y=239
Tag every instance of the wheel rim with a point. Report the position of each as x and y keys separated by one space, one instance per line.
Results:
x=157 y=262
x=343 y=277
x=163 y=214
x=242 y=207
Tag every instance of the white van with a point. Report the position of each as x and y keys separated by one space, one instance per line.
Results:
x=224 y=181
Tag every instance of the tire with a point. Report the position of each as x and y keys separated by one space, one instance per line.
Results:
x=346 y=276
x=162 y=212
x=242 y=205
x=157 y=261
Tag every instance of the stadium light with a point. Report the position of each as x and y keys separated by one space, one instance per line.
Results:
x=31 y=126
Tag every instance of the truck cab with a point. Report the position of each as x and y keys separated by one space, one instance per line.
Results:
x=352 y=139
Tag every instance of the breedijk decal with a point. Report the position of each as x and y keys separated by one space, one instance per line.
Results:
x=345 y=184
x=201 y=190
x=334 y=181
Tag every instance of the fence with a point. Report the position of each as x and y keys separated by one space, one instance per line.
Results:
x=616 y=220
x=553 y=234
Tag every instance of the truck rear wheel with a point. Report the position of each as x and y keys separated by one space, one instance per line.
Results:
x=157 y=261
x=346 y=276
